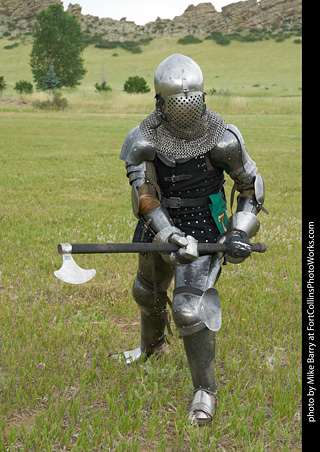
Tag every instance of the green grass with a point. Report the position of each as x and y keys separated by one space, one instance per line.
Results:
x=61 y=180
x=263 y=68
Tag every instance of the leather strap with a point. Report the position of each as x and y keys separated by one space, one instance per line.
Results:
x=188 y=289
x=176 y=203
x=175 y=179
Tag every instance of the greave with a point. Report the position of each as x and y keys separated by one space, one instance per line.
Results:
x=200 y=350
x=153 y=314
x=152 y=332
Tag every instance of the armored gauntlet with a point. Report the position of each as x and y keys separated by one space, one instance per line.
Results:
x=188 y=251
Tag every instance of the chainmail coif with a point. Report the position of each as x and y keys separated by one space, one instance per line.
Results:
x=184 y=143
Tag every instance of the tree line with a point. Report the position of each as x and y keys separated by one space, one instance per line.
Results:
x=56 y=57
x=58 y=43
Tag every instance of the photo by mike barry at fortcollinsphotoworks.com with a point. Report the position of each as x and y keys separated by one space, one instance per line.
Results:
x=309 y=333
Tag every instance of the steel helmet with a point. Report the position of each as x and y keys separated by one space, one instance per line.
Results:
x=178 y=82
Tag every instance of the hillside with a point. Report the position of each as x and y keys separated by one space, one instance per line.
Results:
x=262 y=68
x=200 y=20
x=261 y=64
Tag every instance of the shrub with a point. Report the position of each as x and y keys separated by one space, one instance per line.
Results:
x=255 y=34
x=57 y=103
x=219 y=38
x=214 y=35
x=105 y=44
x=189 y=39
x=42 y=104
x=145 y=41
x=3 y=85
x=134 y=49
x=130 y=46
x=23 y=87
x=212 y=92
x=223 y=41
x=12 y=46
x=102 y=87
x=136 y=84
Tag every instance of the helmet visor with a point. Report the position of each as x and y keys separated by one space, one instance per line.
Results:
x=185 y=109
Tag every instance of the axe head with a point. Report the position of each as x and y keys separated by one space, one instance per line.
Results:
x=70 y=272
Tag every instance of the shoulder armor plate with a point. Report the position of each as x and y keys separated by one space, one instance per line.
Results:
x=136 y=149
x=231 y=154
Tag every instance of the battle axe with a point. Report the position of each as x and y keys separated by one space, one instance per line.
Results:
x=71 y=273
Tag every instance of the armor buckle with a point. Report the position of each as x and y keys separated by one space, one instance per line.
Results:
x=175 y=202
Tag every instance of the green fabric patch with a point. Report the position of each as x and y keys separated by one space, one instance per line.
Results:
x=218 y=208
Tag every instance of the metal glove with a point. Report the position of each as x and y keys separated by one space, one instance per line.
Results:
x=238 y=245
x=188 y=251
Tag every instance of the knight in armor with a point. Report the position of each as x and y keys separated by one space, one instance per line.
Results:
x=175 y=161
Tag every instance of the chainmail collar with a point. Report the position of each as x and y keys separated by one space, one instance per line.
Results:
x=181 y=144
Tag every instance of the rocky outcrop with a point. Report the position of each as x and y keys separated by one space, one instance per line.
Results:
x=199 y=20
x=244 y=15
x=262 y=14
x=75 y=10
x=24 y=9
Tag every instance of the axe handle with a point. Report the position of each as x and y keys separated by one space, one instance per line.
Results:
x=95 y=248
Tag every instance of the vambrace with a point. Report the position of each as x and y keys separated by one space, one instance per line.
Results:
x=139 y=153
x=147 y=206
x=249 y=203
x=145 y=194
x=146 y=198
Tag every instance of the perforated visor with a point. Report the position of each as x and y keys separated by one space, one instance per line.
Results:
x=184 y=110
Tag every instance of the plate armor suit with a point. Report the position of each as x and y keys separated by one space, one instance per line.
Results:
x=175 y=161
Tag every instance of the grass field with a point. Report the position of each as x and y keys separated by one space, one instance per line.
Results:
x=62 y=180
x=264 y=68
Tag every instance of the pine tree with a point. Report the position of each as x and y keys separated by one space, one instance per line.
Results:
x=50 y=81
